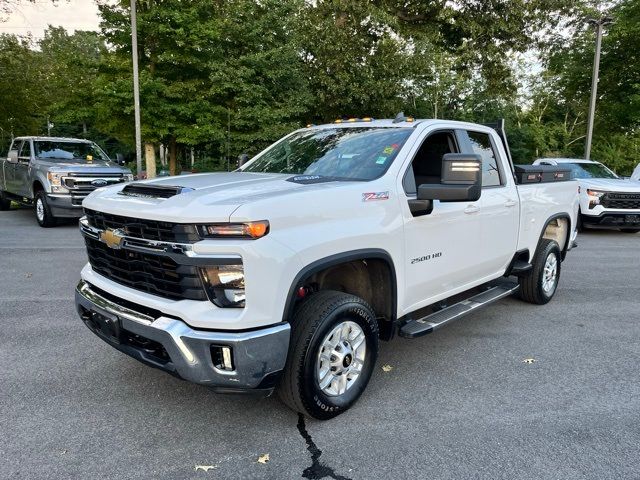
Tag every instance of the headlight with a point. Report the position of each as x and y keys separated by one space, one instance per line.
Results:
x=224 y=284
x=236 y=230
x=594 y=197
x=55 y=179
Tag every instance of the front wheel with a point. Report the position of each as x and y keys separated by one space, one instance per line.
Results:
x=43 y=211
x=332 y=353
x=541 y=283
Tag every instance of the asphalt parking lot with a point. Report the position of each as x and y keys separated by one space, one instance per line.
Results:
x=460 y=403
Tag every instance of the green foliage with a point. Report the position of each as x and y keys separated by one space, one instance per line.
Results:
x=231 y=76
x=23 y=86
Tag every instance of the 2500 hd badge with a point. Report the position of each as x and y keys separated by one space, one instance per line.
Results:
x=426 y=257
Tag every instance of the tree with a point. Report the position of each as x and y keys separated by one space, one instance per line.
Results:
x=223 y=73
x=70 y=63
x=23 y=92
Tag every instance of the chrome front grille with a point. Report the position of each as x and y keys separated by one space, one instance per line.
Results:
x=80 y=185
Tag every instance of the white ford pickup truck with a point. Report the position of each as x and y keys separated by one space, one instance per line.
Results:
x=286 y=273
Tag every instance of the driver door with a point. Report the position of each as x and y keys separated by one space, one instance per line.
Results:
x=441 y=245
x=23 y=184
x=10 y=169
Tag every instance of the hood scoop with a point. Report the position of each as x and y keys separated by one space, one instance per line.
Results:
x=149 y=190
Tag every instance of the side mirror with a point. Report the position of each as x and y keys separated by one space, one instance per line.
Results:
x=242 y=159
x=120 y=159
x=461 y=180
x=12 y=156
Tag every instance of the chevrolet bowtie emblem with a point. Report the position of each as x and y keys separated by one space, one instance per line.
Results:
x=112 y=238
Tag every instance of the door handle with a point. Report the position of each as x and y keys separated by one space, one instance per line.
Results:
x=471 y=209
x=510 y=203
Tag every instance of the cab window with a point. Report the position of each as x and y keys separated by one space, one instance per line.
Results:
x=481 y=145
x=24 y=154
x=426 y=167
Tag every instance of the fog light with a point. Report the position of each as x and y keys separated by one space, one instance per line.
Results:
x=222 y=358
x=225 y=284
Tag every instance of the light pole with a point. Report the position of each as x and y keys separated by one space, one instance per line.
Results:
x=599 y=24
x=136 y=88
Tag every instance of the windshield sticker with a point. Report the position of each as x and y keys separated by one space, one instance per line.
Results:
x=388 y=150
x=381 y=160
x=371 y=196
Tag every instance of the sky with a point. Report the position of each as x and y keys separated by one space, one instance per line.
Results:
x=34 y=17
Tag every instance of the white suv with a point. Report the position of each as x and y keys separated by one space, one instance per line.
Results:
x=606 y=200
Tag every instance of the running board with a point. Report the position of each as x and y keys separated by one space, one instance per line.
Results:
x=433 y=321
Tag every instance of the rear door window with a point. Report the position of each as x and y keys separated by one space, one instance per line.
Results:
x=482 y=145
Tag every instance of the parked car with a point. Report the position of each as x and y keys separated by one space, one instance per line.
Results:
x=286 y=273
x=55 y=175
x=606 y=200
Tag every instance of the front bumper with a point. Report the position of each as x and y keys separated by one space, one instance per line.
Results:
x=171 y=345
x=612 y=220
x=64 y=205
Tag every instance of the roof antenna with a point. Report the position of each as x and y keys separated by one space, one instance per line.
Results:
x=399 y=118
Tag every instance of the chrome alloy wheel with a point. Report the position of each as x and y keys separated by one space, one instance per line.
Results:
x=341 y=358
x=40 y=209
x=550 y=274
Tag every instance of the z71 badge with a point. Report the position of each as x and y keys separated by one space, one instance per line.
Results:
x=368 y=197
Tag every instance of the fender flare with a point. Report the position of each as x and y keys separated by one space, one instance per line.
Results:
x=42 y=180
x=336 y=259
x=556 y=216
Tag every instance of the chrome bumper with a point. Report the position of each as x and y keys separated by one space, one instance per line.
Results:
x=171 y=345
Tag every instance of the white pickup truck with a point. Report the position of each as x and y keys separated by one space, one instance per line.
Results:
x=286 y=273
x=606 y=200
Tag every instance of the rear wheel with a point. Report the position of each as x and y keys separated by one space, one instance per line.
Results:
x=43 y=211
x=541 y=283
x=333 y=350
x=5 y=203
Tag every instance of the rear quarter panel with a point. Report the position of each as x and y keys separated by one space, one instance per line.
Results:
x=540 y=202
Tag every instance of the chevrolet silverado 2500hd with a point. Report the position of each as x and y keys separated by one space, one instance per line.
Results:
x=55 y=175
x=606 y=200
x=286 y=273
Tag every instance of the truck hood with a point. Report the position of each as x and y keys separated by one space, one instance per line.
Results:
x=610 y=184
x=207 y=197
x=81 y=167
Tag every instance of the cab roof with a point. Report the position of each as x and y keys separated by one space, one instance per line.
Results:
x=557 y=161
x=53 y=139
x=408 y=122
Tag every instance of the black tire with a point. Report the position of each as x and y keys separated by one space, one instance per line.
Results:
x=312 y=323
x=630 y=230
x=5 y=203
x=46 y=219
x=532 y=286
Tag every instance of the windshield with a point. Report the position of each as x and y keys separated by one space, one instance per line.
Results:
x=340 y=153
x=590 y=170
x=71 y=151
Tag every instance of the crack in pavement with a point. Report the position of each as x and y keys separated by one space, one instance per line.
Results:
x=317 y=470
